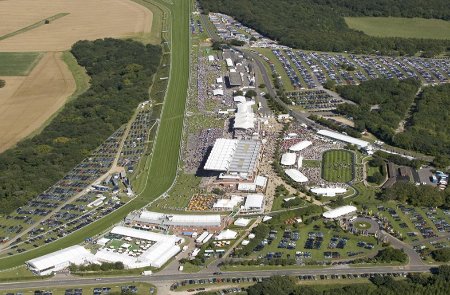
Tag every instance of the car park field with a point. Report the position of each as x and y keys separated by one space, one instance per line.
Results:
x=401 y=27
x=337 y=166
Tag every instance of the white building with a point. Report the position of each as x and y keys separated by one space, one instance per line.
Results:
x=296 y=175
x=328 y=191
x=345 y=138
x=59 y=260
x=245 y=117
x=163 y=249
x=228 y=204
x=339 y=212
x=288 y=159
x=253 y=202
x=175 y=220
x=227 y=234
x=300 y=146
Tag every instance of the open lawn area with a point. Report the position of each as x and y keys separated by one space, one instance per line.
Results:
x=337 y=166
x=18 y=63
x=401 y=27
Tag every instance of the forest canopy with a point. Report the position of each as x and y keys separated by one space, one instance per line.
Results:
x=121 y=73
x=320 y=24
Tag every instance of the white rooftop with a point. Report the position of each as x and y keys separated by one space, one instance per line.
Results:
x=221 y=154
x=339 y=211
x=296 y=175
x=300 y=146
x=288 y=159
x=342 y=137
x=328 y=191
x=227 y=234
x=254 y=201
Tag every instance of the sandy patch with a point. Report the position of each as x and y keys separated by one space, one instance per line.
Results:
x=87 y=19
x=28 y=102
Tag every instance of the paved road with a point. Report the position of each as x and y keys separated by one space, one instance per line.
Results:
x=160 y=279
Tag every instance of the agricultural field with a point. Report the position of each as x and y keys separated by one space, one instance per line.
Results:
x=18 y=63
x=401 y=27
x=86 y=19
x=26 y=105
x=337 y=166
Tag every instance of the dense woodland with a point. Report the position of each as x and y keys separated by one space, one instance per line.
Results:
x=320 y=24
x=428 y=130
x=121 y=72
x=423 y=284
x=422 y=195
x=380 y=105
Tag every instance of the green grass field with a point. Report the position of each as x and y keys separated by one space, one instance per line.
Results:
x=18 y=63
x=164 y=164
x=401 y=27
x=337 y=166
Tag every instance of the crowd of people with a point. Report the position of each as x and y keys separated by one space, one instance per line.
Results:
x=198 y=147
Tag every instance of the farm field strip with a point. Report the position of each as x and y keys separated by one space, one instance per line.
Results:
x=33 y=26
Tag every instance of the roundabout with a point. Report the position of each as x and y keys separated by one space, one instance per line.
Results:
x=365 y=224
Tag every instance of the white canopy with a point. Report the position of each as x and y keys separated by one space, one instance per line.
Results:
x=300 y=146
x=342 y=137
x=288 y=159
x=328 y=191
x=339 y=211
x=296 y=175
x=227 y=234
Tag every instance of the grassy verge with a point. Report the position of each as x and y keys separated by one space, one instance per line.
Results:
x=34 y=26
x=154 y=36
x=142 y=288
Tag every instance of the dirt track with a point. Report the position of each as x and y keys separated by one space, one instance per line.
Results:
x=87 y=19
x=28 y=102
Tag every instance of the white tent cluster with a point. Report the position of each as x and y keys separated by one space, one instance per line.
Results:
x=288 y=159
x=164 y=248
x=155 y=250
x=245 y=117
x=228 y=204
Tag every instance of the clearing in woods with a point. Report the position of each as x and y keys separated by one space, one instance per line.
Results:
x=18 y=63
x=86 y=19
x=337 y=166
x=401 y=27
x=28 y=102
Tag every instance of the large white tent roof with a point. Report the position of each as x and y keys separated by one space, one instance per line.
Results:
x=253 y=201
x=296 y=175
x=328 y=191
x=339 y=211
x=288 y=159
x=227 y=234
x=300 y=146
x=74 y=254
x=245 y=118
x=180 y=219
x=342 y=137
x=221 y=154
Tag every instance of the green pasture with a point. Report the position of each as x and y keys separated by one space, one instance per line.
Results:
x=337 y=166
x=18 y=63
x=401 y=27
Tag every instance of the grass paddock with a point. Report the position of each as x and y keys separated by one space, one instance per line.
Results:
x=337 y=166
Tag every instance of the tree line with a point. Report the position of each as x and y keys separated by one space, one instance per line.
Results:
x=419 y=196
x=425 y=284
x=121 y=73
x=320 y=25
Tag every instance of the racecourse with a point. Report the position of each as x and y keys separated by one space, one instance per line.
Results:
x=164 y=164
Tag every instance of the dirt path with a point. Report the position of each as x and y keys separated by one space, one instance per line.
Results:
x=26 y=107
